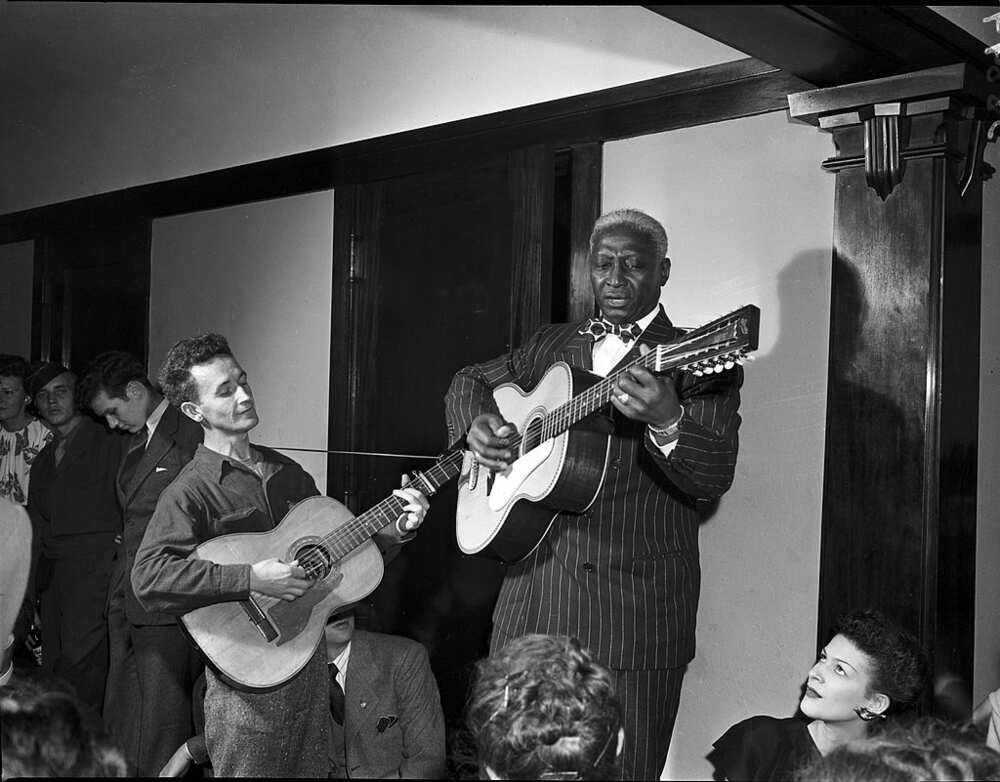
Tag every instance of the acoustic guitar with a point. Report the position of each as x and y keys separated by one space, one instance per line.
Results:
x=262 y=642
x=562 y=446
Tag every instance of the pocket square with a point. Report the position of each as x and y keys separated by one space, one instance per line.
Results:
x=161 y=469
x=386 y=722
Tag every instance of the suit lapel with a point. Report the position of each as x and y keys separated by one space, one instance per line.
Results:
x=578 y=349
x=161 y=442
x=659 y=331
x=360 y=699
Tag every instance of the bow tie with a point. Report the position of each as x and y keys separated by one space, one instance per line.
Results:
x=599 y=328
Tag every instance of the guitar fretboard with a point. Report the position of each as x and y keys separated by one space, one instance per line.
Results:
x=349 y=536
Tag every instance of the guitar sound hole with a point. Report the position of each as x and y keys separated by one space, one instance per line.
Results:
x=532 y=436
x=315 y=560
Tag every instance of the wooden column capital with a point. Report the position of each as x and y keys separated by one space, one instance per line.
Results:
x=883 y=123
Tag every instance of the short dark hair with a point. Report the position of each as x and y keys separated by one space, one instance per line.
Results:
x=928 y=748
x=899 y=664
x=15 y=366
x=543 y=705
x=46 y=731
x=110 y=372
x=175 y=375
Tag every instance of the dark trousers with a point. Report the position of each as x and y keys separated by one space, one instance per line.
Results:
x=148 y=701
x=74 y=628
x=649 y=702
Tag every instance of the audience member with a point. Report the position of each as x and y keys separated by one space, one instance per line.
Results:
x=232 y=485
x=153 y=666
x=925 y=749
x=22 y=435
x=15 y=563
x=543 y=708
x=77 y=526
x=870 y=670
x=46 y=731
x=385 y=704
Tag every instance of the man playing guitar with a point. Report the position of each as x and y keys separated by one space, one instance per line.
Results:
x=233 y=486
x=623 y=576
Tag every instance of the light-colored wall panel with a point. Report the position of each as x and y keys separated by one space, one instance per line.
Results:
x=259 y=274
x=104 y=96
x=749 y=215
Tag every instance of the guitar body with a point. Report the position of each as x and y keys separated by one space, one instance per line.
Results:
x=506 y=516
x=233 y=635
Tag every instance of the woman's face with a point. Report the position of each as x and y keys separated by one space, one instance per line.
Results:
x=840 y=682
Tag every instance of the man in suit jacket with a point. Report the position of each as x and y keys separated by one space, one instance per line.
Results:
x=148 y=701
x=623 y=576
x=77 y=526
x=388 y=721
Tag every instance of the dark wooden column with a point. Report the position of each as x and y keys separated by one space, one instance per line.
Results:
x=899 y=493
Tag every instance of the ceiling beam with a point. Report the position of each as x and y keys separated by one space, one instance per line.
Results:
x=835 y=44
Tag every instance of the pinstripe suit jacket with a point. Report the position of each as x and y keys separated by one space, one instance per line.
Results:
x=624 y=576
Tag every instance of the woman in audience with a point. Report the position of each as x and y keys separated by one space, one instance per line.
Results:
x=868 y=671
x=544 y=709
x=926 y=749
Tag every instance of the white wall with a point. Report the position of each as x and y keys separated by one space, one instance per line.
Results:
x=749 y=215
x=17 y=269
x=101 y=96
x=260 y=275
x=987 y=650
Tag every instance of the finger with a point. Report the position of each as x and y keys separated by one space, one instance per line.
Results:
x=298 y=572
x=506 y=430
x=415 y=499
x=404 y=480
x=644 y=348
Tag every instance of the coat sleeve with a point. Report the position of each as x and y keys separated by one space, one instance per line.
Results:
x=471 y=390
x=163 y=577
x=703 y=462
x=421 y=717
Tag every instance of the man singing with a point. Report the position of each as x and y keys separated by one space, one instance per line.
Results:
x=623 y=576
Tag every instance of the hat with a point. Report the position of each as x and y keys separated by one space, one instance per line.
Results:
x=43 y=375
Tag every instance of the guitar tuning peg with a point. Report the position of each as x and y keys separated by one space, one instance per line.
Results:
x=749 y=356
x=697 y=372
x=717 y=368
x=730 y=364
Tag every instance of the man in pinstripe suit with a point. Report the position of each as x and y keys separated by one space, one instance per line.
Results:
x=624 y=576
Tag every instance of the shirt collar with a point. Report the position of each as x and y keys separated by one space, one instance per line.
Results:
x=220 y=465
x=645 y=320
x=154 y=418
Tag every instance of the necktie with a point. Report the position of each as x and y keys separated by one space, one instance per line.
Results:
x=336 y=695
x=599 y=328
x=136 y=448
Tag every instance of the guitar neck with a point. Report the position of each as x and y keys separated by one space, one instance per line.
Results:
x=366 y=525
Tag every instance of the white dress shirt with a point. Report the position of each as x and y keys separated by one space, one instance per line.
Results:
x=608 y=351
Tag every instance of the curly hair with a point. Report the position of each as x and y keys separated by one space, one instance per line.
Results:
x=175 y=377
x=926 y=749
x=544 y=708
x=110 y=372
x=635 y=221
x=899 y=664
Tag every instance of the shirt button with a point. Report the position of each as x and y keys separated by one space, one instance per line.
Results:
x=588 y=567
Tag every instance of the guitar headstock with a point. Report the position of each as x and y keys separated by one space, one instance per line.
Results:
x=714 y=347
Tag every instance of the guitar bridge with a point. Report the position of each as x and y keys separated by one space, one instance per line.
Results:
x=259 y=619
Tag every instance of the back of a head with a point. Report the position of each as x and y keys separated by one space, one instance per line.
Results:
x=543 y=708
x=46 y=732
x=926 y=748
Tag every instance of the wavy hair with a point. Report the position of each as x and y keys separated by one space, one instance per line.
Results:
x=543 y=708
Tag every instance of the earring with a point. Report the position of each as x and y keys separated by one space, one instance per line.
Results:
x=867 y=714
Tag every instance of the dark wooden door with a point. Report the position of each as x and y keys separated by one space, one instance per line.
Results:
x=91 y=294
x=434 y=271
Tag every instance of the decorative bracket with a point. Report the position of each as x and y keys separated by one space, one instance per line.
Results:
x=938 y=112
x=884 y=167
